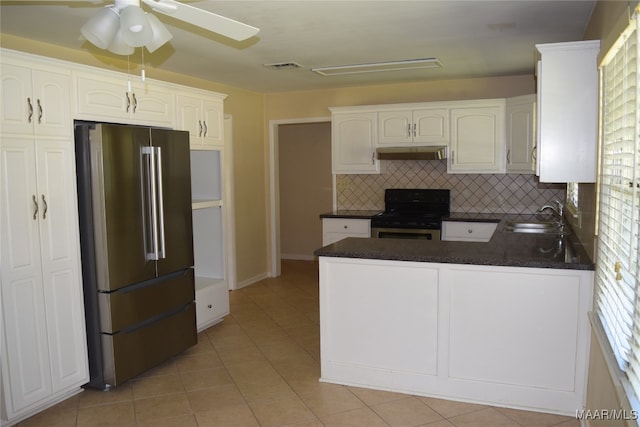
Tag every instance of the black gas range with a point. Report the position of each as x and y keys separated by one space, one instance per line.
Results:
x=412 y=214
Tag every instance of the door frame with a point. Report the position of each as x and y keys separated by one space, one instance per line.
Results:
x=274 y=187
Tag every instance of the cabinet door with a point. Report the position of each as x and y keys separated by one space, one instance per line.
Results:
x=353 y=140
x=17 y=100
x=395 y=127
x=189 y=117
x=152 y=104
x=477 y=140
x=431 y=126
x=51 y=92
x=103 y=98
x=58 y=218
x=212 y=122
x=25 y=356
x=520 y=138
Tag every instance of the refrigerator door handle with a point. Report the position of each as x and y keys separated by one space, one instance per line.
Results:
x=152 y=214
x=160 y=205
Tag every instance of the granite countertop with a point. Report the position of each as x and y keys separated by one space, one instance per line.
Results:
x=355 y=214
x=504 y=249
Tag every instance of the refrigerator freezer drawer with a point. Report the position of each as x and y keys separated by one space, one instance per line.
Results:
x=132 y=353
x=129 y=306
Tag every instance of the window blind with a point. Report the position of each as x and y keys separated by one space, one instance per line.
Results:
x=617 y=296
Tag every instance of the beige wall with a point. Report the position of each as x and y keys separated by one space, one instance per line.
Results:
x=305 y=186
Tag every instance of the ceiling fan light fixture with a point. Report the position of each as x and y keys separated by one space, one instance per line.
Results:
x=119 y=47
x=135 y=26
x=101 y=29
x=161 y=34
x=409 y=64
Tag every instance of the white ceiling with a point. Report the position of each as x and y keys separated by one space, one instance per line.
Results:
x=470 y=38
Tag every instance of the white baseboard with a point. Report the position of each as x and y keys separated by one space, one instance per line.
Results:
x=251 y=281
x=299 y=257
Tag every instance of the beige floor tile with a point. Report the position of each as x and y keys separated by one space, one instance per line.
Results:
x=232 y=356
x=157 y=386
x=181 y=421
x=451 y=408
x=281 y=412
x=234 y=415
x=254 y=373
x=203 y=345
x=313 y=385
x=167 y=406
x=529 y=418
x=112 y=415
x=92 y=397
x=194 y=380
x=56 y=416
x=409 y=411
x=282 y=348
x=199 y=361
x=354 y=418
x=489 y=417
x=260 y=392
x=167 y=368
x=373 y=397
x=326 y=401
x=207 y=398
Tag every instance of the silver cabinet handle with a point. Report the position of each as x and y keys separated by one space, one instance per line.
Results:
x=453 y=157
x=204 y=124
x=534 y=153
x=373 y=158
x=30 y=109
x=35 y=206
x=46 y=208
x=415 y=127
x=508 y=157
x=40 y=111
x=200 y=127
x=135 y=102
x=128 y=101
x=409 y=129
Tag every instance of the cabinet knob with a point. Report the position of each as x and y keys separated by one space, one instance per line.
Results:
x=470 y=231
x=209 y=306
x=345 y=227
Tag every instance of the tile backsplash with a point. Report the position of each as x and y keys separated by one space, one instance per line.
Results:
x=470 y=193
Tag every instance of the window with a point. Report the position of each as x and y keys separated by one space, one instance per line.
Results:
x=617 y=295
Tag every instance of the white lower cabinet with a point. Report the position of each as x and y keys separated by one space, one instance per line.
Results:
x=44 y=350
x=504 y=336
x=212 y=302
x=334 y=229
x=463 y=231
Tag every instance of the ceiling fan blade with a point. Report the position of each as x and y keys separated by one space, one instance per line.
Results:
x=204 y=19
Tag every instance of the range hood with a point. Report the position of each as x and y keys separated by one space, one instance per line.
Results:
x=412 y=153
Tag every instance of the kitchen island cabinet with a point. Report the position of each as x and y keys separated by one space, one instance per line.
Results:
x=502 y=322
x=504 y=336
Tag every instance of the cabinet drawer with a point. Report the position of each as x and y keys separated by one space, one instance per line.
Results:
x=212 y=304
x=345 y=225
x=468 y=231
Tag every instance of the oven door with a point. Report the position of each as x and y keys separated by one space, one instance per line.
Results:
x=405 y=233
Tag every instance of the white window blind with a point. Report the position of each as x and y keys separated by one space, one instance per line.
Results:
x=617 y=272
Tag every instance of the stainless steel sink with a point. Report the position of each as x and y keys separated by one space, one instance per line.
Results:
x=532 y=227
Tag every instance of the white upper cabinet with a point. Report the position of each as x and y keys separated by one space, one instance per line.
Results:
x=353 y=142
x=35 y=101
x=421 y=126
x=124 y=99
x=203 y=117
x=567 y=111
x=477 y=137
x=521 y=131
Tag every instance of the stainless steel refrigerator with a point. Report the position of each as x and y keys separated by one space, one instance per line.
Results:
x=134 y=193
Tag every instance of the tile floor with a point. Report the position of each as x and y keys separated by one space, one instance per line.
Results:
x=260 y=367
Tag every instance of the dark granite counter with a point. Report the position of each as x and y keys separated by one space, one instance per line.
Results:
x=355 y=214
x=504 y=249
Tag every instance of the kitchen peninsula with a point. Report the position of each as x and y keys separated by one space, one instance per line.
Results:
x=502 y=322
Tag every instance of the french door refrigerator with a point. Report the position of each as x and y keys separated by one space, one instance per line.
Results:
x=134 y=193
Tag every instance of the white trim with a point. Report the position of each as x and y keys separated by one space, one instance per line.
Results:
x=274 y=185
x=231 y=270
x=298 y=257
x=251 y=281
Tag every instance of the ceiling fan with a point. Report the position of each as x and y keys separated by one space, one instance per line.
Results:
x=122 y=26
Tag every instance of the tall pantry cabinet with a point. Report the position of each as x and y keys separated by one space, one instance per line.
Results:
x=43 y=356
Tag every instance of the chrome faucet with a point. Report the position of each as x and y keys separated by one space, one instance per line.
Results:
x=557 y=209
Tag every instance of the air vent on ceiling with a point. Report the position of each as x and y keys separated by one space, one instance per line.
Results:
x=283 y=65
x=408 y=64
